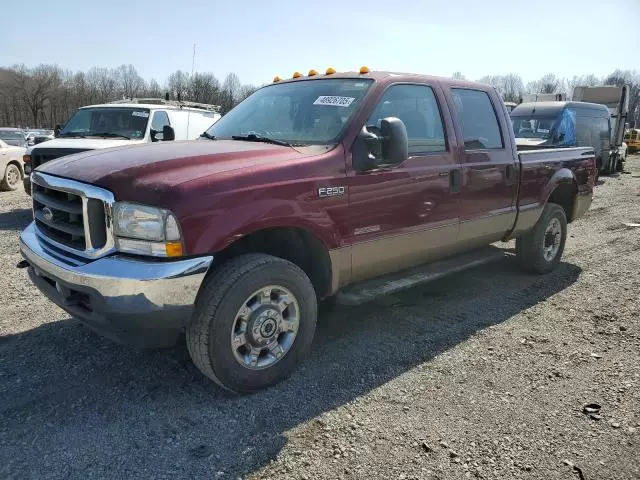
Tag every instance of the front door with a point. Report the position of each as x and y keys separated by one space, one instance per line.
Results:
x=403 y=215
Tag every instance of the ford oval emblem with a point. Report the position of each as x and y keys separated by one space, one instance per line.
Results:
x=47 y=214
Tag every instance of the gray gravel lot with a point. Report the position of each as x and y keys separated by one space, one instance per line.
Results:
x=482 y=375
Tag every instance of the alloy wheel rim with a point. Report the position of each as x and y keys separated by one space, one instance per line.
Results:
x=265 y=327
x=552 y=238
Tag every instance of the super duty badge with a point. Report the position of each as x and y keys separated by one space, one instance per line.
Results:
x=324 y=192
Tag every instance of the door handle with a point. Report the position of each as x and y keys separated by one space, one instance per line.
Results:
x=454 y=180
x=509 y=172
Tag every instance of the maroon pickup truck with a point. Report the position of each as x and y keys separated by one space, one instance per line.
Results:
x=339 y=186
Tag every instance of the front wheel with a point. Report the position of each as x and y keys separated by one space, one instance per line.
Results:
x=12 y=177
x=254 y=322
x=540 y=250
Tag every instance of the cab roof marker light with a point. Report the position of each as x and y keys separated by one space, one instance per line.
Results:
x=364 y=70
x=276 y=79
x=297 y=75
x=330 y=71
x=312 y=72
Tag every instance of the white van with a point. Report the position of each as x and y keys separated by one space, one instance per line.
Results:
x=125 y=122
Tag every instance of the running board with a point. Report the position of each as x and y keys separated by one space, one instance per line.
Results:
x=369 y=290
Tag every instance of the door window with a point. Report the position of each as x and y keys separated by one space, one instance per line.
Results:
x=417 y=107
x=480 y=127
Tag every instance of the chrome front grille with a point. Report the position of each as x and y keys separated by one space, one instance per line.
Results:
x=73 y=216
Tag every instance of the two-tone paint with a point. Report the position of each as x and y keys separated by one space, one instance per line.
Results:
x=382 y=220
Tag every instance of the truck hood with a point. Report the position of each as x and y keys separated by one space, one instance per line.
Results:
x=85 y=143
x=134 y=172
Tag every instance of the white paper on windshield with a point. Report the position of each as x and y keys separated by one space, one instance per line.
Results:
x=140 y=114
x=334 y=101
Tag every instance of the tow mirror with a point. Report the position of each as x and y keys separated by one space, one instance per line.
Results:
x=168 y=133
x=395 y=142
x=386 y=145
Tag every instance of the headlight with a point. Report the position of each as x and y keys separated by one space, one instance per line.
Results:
x=145 y=230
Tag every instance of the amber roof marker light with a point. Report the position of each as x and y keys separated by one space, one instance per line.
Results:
x=276 y=79
x=364 y=70
x=297 y=75
x=330 y=71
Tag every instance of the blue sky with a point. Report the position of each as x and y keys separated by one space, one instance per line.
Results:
x=260 y=39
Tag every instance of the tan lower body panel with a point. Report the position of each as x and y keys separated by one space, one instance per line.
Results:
x=527 y=218
x=393 y=253
x=485 y=230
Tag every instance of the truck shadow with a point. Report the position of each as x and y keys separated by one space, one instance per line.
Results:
x=121 y=412
x=16 y=219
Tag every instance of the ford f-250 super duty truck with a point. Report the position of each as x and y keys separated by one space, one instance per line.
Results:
x=313 y=187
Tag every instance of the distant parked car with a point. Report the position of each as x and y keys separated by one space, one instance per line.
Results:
x=11 y=166
x=13 y=136
x=38 y=136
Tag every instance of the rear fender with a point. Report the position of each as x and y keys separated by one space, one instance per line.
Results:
x=563 y=176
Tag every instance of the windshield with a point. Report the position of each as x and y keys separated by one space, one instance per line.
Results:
x=533 y=127
x=108 y=122
x=11 y=135
x=312 y=112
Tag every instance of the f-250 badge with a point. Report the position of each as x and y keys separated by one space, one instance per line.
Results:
x=325 y=192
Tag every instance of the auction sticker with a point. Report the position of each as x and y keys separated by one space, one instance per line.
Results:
x=140 y=114
x=334 y=101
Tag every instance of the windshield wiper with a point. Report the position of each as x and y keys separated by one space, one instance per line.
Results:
x=255 y=137
x=108 y=135
x=208 y=136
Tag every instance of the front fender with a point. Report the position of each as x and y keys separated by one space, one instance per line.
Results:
x=224 y=226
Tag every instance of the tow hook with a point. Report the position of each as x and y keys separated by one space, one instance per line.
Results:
x=22 y=264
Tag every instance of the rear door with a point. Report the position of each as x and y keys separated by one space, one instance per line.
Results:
x=403 y=215
x=489 y=168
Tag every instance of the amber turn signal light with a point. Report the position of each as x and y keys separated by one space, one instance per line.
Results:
x=174 y=249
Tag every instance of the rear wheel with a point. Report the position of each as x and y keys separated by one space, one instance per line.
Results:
x=540 y=250
x=254 y=322
x=12 y=178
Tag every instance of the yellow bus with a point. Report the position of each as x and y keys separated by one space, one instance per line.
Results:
x=632 y=139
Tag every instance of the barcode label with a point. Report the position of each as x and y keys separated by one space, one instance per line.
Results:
x=334 y=101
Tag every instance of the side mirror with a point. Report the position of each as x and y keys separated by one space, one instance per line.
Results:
x=395 y=142
x=386 y=145
x=168 y=133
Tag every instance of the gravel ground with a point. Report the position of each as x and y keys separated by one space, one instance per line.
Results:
x=482 y=375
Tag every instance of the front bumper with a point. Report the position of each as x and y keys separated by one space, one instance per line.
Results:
x=139 y=302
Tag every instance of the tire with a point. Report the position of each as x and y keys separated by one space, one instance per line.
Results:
x=226 y=294
x=11 y=179
x=530 y=248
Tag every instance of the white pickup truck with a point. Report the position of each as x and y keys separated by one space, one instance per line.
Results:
x=121 y=123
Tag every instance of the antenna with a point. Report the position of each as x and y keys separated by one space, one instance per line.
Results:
x=193 y=65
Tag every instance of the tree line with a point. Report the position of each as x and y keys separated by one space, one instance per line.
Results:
x=46 y=95
x=512 y=87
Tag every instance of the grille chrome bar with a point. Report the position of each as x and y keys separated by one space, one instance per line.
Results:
x=96 y=228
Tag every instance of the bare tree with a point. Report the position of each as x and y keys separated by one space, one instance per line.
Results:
x=458 y=76
x=130 y=83
x=36 y=87
x=230 y=92
x=178 y=84
x=204 y=87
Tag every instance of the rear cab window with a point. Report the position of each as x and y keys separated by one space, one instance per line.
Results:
x=478 y=119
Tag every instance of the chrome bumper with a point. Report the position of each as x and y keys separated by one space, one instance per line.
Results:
x=130 y=300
